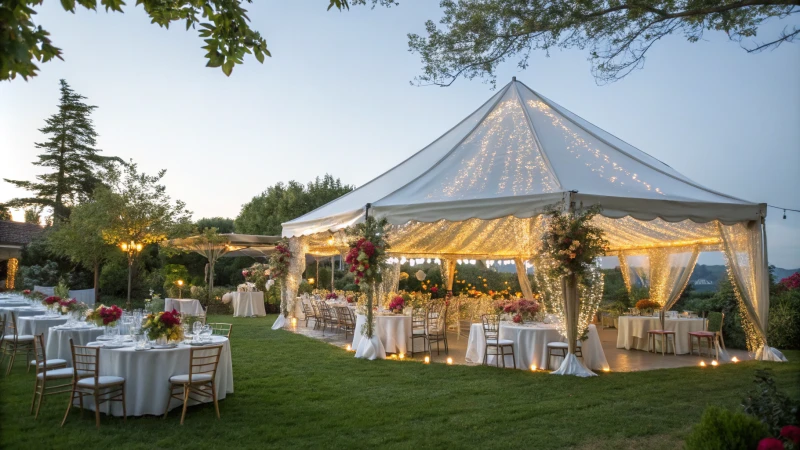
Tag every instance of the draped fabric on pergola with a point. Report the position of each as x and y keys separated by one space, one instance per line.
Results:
x=482 y=189
x=215 y=246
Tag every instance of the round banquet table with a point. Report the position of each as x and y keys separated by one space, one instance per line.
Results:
x=34 y=325
x=184 y=306
x=530 y=345
x=248 y=304
x=632 y=331
x=21 y=311
x=58 y=337
x=147 y=375
x=394 y=331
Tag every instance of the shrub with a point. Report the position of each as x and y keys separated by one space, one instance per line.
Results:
x=770 y=406
x=720 y=429
x=784 y=320
x=44 y=275
x=305 y=288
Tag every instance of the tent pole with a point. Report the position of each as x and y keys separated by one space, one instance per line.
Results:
x=333 y=269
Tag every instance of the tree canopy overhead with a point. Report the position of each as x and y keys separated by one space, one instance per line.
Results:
x=477 y=35
x=223 y=25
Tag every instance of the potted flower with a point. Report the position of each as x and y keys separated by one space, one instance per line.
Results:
x=164 y=327
x=397 y=305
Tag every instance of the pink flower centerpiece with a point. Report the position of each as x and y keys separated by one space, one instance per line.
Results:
x=397 y=304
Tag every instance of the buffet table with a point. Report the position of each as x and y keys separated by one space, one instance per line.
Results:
x=248 y=304
x=188 y=306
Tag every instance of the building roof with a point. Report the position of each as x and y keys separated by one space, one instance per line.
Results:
x=18 y=233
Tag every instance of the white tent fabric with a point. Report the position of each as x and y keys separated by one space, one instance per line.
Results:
x=480 y=190
x=516 y=155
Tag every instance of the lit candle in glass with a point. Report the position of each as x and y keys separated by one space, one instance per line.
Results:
x=427 y=359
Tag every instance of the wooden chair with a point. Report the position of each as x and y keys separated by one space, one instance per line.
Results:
x=712 y=334
x=308 y=311
x=317 y=313
x=46 y=371
x=560 y=349
x=87 y=382
x=329 y=319
x=418 y=331
x=436 y=328
x=15 y=343
x=347 y=320
x=221 y=329
x=491 y=333
x=665 y=335
x=201 y=379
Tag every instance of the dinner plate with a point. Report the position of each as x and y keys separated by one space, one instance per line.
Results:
x=104 y=338
x=142 y=349
x=110 y=345
x=165 y=346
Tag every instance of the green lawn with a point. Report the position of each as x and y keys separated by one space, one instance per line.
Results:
x=296 y=392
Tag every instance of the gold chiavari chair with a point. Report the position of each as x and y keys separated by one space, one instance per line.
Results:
x=87 y=382
x=318 y=319
x=347 y=320
x=15 y=343
x=201 y=379
x=418 y=331
x=221 y=329
x=436 y=327
x=308 y=311
x=491 y=333
x=48 y=370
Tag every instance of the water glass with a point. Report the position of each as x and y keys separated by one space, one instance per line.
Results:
x=197 y=327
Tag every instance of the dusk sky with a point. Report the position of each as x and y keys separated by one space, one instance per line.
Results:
x=335 y=97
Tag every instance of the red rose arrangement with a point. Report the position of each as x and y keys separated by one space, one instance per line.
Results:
x=331 y=296
x=521 y=309
x=26 y=292
x=363 y=259
x=279 y=262
x=350 y=299
x=397 y=304
x=105 y=315
x=165 y=324
x=51 y=302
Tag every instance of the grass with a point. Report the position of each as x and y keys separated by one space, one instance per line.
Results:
x=296 y=392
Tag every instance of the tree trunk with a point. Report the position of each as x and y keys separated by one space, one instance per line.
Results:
x=97 y=282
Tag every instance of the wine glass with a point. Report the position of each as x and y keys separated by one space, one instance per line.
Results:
x=206 y=333
x=197 y=327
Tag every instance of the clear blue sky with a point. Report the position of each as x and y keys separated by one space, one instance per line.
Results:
x=335 y=97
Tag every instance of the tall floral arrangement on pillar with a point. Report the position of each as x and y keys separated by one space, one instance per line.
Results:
x=279 y=267
x=367 y=260
x=573 y=244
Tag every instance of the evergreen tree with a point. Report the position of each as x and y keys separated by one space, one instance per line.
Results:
x=71 y=155
x=5 y=214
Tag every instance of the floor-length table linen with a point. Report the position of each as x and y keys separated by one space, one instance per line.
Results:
x=530 y=345
x=189 y=306
x=20 y=311
x=147 y=376
x=57 y=346
x=248 y=304
x=632 y=331
x=393 y=330
x=34 y=325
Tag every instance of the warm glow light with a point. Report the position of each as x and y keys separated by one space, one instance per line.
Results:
x=449 y=361
x=124 y=247
x=427 y=359
x=310 y=281
x=330 y=240
x=180 y=282
x=714 y=363
x=735 y=359
x=294 y=321
x=606 y=369
x=702 y=363
x=402 y=355
x=138 y=247
x=348 y=348
x=533 y=367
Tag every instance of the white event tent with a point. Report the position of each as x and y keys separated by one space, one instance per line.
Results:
x=480 y=191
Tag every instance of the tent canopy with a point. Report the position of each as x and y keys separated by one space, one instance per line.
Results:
x=516 y=156
x=229 y=245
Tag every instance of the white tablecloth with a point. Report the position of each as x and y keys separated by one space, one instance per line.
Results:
x=247 y=304
x=57 y=346
x=632 y=331
x=530 y=345
x=184 y=306
x=147 y=375
x=34 y=325
x=393 y=330
x=21 y=311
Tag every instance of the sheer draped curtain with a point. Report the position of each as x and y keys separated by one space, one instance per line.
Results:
x=298 y=246
x=670 y=270
x=745 y=248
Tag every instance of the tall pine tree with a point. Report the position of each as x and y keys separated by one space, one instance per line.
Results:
x=71 y=155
